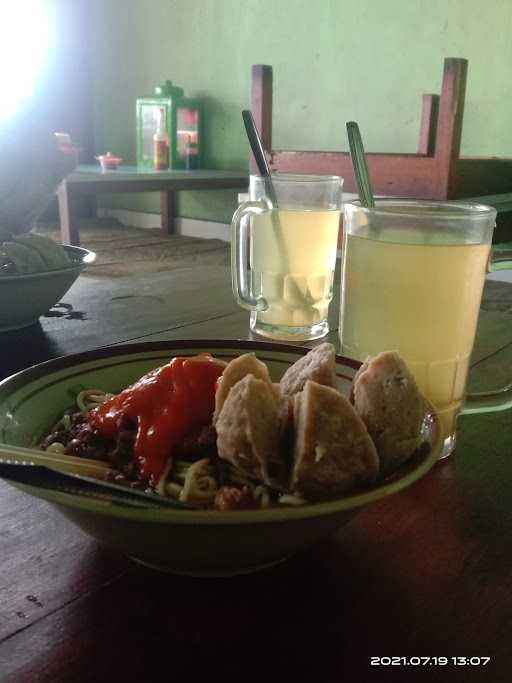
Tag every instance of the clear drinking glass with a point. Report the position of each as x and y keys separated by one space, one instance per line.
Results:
x=283 y=259
x=412 y=279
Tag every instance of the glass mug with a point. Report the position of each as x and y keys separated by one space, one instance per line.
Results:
x=412 y=279
x=283 y=260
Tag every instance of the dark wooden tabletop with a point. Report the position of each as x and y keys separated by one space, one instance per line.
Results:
x=425 y=573
x=92 y=179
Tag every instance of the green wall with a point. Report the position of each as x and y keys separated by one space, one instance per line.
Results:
x=333 y=60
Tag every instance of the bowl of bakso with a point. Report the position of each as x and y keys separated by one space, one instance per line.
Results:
x=233 y=455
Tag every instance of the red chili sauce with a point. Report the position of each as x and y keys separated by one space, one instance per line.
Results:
x=165 y=405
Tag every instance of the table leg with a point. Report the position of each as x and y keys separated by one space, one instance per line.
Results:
x=68 y=219
x=167 y=208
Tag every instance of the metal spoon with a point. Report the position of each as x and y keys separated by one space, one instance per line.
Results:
x=264 y=169
x=25 y=466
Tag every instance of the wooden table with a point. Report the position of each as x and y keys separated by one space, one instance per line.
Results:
x=92 y=180
x=427 y=572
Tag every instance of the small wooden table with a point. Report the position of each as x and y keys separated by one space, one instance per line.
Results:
x=92 y=180
x=418 y=576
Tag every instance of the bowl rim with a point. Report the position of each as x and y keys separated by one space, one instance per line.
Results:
x=406 y=475
x=87 y=257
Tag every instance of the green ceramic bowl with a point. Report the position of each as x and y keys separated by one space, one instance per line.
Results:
x=24 y=298
x=184 y=541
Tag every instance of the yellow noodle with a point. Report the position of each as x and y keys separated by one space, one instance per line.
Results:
x=181 y=464
x=91 y=398
x=289 y=499
x=199 y=485
x=173 y=490
x=55 y=447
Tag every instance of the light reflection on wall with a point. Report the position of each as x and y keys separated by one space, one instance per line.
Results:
x=25 y=40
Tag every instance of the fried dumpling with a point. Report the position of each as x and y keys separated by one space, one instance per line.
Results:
x=387 y=398
x=319 y=365
x=333 y=452
x=249 y=430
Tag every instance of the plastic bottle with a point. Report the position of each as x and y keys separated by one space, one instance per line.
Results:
x=161 y=143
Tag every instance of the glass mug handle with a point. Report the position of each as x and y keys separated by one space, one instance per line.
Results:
x=240 y=271
x=501 y=399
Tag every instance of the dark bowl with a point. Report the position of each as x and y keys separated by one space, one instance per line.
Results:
x=24 y=298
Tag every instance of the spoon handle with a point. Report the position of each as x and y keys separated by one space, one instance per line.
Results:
x=364 y=185
x=46 y=478
x=259 y=155
x=19 y=455
x=255 y=143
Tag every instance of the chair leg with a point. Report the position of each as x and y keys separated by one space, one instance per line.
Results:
x=261 y=105
x=449 y=127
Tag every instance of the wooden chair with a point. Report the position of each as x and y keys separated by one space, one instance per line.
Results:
x=437 y=171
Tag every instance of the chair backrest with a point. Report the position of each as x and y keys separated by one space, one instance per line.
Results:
x=436 y=171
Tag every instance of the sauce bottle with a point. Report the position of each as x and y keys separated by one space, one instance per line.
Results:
x=161 y=143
